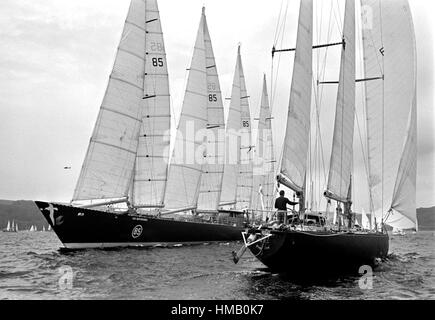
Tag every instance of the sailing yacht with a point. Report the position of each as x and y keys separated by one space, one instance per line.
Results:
x=11 y=228
x=127 y=163
x=307 y=244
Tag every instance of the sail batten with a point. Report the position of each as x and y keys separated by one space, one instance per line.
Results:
x=109 y=163
x=341 y=163
x=296 y=141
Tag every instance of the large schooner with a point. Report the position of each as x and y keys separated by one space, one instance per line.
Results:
x=127 y=163
x=304 y=242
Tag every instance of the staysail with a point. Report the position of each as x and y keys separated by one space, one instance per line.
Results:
x=340 y=171
x=237 y=181
x=264 y=175
x=138 y=89
x=212 y=173
x=186 y=165
x=293 y=163
x=390 y=52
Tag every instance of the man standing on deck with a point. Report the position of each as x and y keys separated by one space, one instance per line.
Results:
x=281 y=205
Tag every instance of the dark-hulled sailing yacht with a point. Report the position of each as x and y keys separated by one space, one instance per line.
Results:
x=127 y=194
x=305 y=242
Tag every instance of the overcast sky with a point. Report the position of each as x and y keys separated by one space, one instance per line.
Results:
x=56 y=56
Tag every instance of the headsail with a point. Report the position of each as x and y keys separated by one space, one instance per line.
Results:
x=389 y=51
x=342 y=147
x=138 y=88
x=293 y=164
x=186 y=164
x=264 y=174
x=237 y=181
x=212 y=173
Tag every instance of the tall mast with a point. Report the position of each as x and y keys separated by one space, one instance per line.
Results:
x=237 y=182
x=293 y=164
x=213 y=169
x=340 y=171
x=151 y=165
x=263 y=157
x=127 y=143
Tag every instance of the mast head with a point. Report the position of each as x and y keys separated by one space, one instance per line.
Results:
x=203 y=10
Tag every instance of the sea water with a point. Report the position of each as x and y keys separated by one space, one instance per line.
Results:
x=33 y=267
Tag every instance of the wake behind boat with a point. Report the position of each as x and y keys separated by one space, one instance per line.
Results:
x=127 y=193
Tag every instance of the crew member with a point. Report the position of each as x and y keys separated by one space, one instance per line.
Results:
x=281 y=205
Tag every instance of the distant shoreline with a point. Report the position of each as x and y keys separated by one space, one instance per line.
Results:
x=26 y=214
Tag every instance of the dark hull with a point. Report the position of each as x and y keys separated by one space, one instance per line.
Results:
x=79 y=228
x=320 y=253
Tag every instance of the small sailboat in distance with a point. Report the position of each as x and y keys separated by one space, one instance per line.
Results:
x=11 y=227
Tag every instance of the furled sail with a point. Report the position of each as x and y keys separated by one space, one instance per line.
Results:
x=186 y=165
x=212 y=173
x=237 y=181
x=293 y=164
x=153 y=151
x=264 y=175
x=389 y=52
x=340 y=171
x=107 y=171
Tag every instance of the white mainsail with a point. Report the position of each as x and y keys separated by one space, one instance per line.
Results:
x=390 y=52
x=212 y=172
x=264 y=175
x=8 y=227
x=152 y=157
x=136 y=103
x=340 y=171
x=293 y=163
x=186 y=165
x=237 y=183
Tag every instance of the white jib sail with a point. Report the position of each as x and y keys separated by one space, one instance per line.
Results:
x=264 y=174
x=389 y=51
x=295 y=150
x=342 y=146
x=107 y=169
x=212 y=173
x=153 y=151
x=186 y=165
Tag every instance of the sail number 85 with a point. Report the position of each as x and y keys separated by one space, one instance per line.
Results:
x=245 y=124
x=158 y=62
